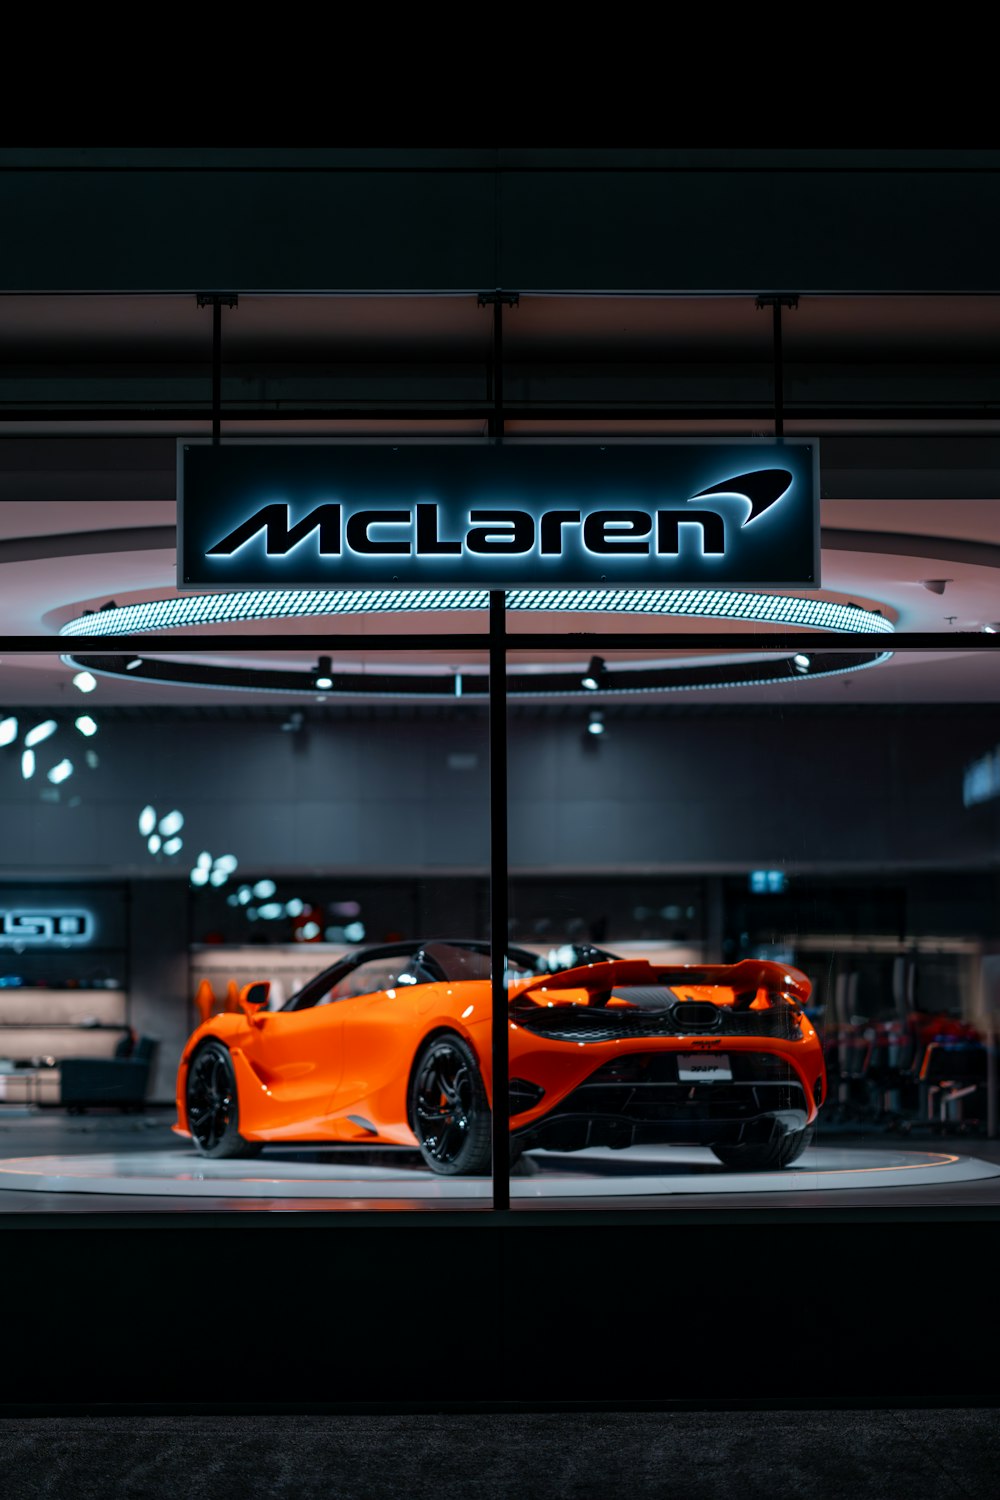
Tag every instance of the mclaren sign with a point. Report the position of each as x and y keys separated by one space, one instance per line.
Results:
x=676 y=514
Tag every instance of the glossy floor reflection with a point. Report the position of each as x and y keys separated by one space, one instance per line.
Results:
x=105 y=1162
x=650 y=1172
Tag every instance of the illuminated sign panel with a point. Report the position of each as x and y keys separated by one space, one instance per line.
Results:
x=768 y=883
x=687 y=513
x=44 y=928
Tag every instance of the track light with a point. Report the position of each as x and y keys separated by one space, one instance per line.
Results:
x=86 y=725
x=171 y=824
x=85 y=682
x=992 y=629
x=322 y=673
x=134 y=664
x=28 y=764
x=801 y=662
x=147 y=821
x=8 y=730
x=594 y=674
x=61 y=772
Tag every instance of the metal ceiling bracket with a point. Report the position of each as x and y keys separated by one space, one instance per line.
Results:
x=217 y=301
x=498 y=300
x=776 y=303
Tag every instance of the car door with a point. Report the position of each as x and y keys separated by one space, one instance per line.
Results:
x=297 y=1058
x=380 y=1019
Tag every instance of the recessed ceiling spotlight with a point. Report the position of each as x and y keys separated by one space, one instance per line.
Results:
x=992 y=629
x=134 y=664
x=28 y=764
x=594 y=675
x=85 y=682
x=86 y=725
x=322 y=673
x=8 y=730
x=596 y=724
x=147 y=821
x=60 y=772
x=801 y=662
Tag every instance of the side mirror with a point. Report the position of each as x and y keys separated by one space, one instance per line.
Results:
x=254 y=997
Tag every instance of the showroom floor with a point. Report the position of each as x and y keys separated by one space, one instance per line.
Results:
x=108 y=1162
x=677 y=1455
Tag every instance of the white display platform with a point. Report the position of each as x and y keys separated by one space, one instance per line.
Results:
x=647 y=1172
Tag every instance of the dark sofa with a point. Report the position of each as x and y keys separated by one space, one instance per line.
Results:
x=120 y=1081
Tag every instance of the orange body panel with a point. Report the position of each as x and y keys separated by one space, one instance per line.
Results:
x=341 y=1072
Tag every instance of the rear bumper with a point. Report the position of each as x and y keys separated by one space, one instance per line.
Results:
x=608 y=1111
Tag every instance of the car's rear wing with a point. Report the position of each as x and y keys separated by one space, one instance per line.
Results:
x=744 y=979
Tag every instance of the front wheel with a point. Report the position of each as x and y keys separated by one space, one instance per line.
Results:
x=759 y=1156
x=213 y=1111
x=448 y=1108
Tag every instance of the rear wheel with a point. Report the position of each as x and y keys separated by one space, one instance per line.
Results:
x=758 y=1156
x=213 y=1111
x=448 y=1108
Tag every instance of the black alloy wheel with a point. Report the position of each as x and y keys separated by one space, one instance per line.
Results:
x=213 y=1104
x=448 y=1108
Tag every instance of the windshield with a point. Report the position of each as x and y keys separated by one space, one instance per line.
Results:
x=401 y=964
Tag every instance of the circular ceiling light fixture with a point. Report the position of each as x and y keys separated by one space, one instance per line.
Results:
x=296 y=604
x=322 y=673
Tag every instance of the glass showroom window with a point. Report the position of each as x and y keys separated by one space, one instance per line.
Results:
x=771 y=876
x=246 y=893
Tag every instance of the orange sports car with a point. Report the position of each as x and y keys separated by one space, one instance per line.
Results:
x=392 y=1045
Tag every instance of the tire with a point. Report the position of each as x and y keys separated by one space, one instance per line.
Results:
x=212 y=1102
x=449 y=1113
x=761 y=1156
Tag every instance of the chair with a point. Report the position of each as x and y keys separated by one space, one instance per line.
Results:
x=121 y=1080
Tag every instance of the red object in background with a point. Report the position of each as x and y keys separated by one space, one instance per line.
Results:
x=929 y=1028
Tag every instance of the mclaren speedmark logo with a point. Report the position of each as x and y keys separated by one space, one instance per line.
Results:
x=416 y=531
